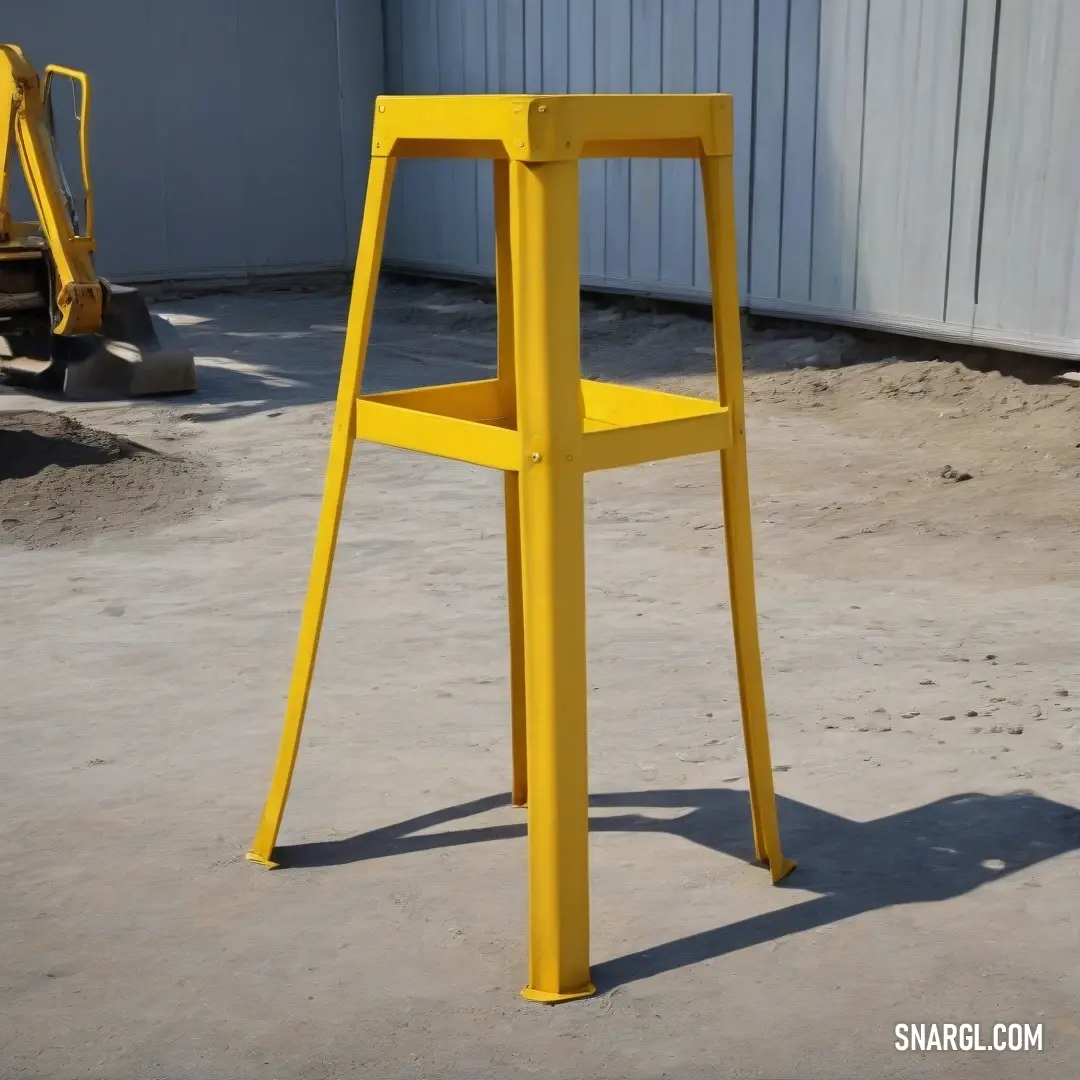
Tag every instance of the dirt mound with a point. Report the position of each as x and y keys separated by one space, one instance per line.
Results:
x=62 y=482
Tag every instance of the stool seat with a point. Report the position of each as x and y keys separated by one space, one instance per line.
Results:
x=622 y=425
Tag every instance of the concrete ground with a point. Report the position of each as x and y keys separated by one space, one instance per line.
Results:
x=920 y=638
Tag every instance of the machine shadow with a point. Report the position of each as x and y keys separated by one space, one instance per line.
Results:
x=930 y=853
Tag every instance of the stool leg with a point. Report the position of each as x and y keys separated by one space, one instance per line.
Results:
x=504 y=301
x=544 y=239
x=717 y=182
x=361 y=306
x=519 y=792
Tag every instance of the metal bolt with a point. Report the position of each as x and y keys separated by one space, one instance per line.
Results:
x=535 y=458
x=543 y=108
x=569 y=457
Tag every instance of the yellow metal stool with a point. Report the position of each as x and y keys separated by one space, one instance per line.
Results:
x=545 y=427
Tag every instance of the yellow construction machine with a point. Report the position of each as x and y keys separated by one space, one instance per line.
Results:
x=62 y=328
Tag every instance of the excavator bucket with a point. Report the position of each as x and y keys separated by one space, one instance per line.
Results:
x=134 y=353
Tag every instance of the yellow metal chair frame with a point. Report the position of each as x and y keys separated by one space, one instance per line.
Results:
x=545 y=428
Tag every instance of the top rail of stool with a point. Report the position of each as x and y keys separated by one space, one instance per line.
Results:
x=553 y=127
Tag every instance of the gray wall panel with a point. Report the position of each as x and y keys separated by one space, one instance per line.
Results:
x=399 y=236
x=606 y=46
x=706 y=80
x=861 y=146
x=205 y=192
x=908 y=164
x=360 y=49
x=533 y=46
x=770 y=105
x=228 y=136
x=737 y=30
x=838 y=152
x=125 y=154
x=1028 y=282
x=289 y=160
x=800 y=138
x=582 y=76
x=678 y=179
x=646 y=30
x=613 y=45
x=905 y=192
x=974 y=96
x=580 y=46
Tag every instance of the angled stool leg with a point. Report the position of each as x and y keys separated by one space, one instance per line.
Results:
x=519 y=792
x=361 y=306
x=504 y=300
x=717 y=182
x=544 y=237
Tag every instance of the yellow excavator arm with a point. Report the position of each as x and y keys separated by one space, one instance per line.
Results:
x=25 y=126
x=62 y=328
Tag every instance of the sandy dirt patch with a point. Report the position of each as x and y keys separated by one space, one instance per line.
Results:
x=62 y=482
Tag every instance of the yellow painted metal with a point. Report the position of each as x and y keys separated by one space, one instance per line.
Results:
x=11 y=62
x=433 y=433
x=361 y=307
x=479 y=400
x=719 y=190
x=544 y=427
x=51 y=71
x=77 y=291
x=615 y=447
x=625 y=406
x=544 y=243
x=519 y=747
x=507 y=391
x=626 y=425
x=553 y=127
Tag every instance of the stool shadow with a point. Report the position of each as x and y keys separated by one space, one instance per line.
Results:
x=938 y=851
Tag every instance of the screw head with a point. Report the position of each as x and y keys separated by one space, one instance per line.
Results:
x=535 y=457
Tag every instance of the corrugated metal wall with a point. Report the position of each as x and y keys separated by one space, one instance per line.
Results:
x=1029 y=281
x=228 y=137
x=906 y=164
x=442 y=214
